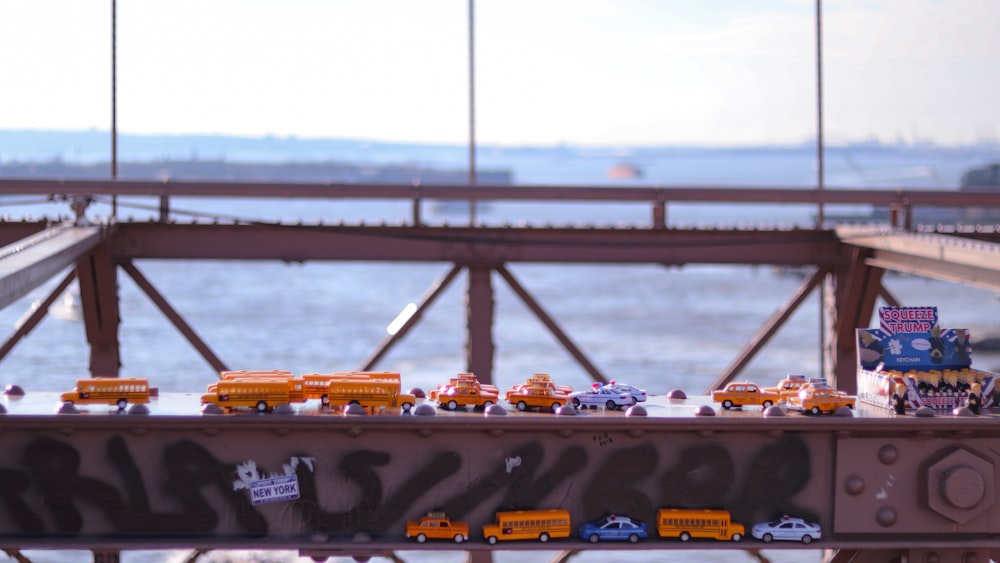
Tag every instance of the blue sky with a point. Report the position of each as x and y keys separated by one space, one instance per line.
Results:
x=586 y=72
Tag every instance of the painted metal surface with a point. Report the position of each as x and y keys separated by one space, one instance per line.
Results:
x=177 y=478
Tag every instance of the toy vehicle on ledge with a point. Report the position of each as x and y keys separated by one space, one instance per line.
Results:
x=536 y=396
x=542 y=379
x=437 y=526
x=465 y=393
x=538 y=525
x=742 y=394
x=638 y=395
x=787 y=528
x=818 y=397
x=463 y=379
x=601 y=396
x=108 y=391
x=614 y=528
x=685 y=524
x=788 y=387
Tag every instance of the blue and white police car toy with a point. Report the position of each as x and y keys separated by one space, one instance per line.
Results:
x=614 y=528
x=787 y=528
x=601 y=396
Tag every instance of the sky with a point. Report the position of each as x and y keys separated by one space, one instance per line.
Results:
x=547 y=72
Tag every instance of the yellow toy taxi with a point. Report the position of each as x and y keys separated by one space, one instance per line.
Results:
x=815 y=399
x=437 y=526
x=742 y=394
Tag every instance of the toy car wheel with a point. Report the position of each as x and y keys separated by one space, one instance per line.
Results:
x=543 y=537
x=685 y=536
x=807 y=538
x=737 y=537
x=555 y=407
x=768 y=403
x=325 y=400
x=452 y=405
x=421 y=538
x=632 y=538
x=635 y=401
x=261 y=406
x=459 y=538
x=576 y=402
x=767 y=538
x=594 y=538
x=487 y=404
x=492 y=540
x=815 y=410
x=407 y=406
x=522 y=406
x=122 y=403
x=727 y=404
x=610 y=405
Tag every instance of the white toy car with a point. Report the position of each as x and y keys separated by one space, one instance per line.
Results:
x=638 y=395
x=601 y=396
x=786 y=528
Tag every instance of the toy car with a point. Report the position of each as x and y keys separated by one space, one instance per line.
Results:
x=817 y=398
x=614 y=528
x=740 y=394
x=638 y=395
x=436 y=525
x=603 y=396
x=788 y=387
x=463 y=394
x=787 y=528
x=537 y=396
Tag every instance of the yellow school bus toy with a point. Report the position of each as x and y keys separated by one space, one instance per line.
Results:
x=685 y=524
x=108 y=391
x=538 y=525
x=371 y=393
x=260 y=393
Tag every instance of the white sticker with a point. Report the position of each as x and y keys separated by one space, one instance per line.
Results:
x=274 y=490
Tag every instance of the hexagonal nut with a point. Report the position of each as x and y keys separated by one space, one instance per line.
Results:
x=960 y=486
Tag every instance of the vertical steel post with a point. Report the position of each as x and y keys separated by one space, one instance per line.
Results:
x=479 y=317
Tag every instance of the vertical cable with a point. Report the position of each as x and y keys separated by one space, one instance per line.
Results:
x=472 y=109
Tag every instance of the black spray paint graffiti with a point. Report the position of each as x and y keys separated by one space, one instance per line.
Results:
x=627 y=481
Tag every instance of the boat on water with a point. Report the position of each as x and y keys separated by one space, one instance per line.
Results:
x=625 y=171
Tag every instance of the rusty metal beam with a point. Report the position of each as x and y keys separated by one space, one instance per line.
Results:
x=97 y=277
x=830 y=195
x=768 y=330
x=479 y=307
x=551 y=324
x=853 y=304
x=174 y=317
x=488 y=245
x=431 y=295
x=30 y=262
x=942 y=257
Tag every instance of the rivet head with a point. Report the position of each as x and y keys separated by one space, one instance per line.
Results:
x=854 y=485
x=888 y=454
x=886 y=516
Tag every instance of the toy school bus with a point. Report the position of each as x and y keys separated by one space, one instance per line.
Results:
x=108 y=391
x=686 y=524
x=259 y=393
x=528 y=525
x=369 y=393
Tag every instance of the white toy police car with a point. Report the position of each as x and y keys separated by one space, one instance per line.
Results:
x=601 y=396
x=638 y=395
x=786 y=528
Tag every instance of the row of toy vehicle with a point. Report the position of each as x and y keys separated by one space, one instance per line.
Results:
x=679 y=523
x=537 y=392
x=814 y=396
x=263 y=390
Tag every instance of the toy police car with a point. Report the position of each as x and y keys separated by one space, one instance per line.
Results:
x=601 y=396
x=614 y=528
x=638 y=395
x=786 y=528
